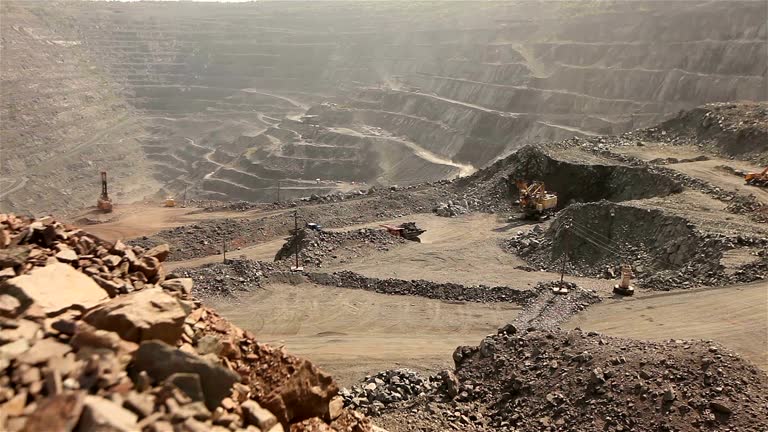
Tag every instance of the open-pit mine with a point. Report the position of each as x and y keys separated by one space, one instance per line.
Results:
x=383 y=216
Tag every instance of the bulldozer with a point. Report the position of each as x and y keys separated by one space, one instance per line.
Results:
x=535 y=201
x=169 y=202
x=104 y=203
x=757 y=179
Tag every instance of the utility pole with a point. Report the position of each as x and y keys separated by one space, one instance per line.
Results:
x=278 y=191
x=296 y=238
x=224 y=246
x=185 y=195
x=566 y=238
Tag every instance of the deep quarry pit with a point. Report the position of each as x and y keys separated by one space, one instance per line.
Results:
x=259 y=154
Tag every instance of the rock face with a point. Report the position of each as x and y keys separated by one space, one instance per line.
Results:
x=141 y=316
x=55 y=287
x=160 y=361
x=151 y=359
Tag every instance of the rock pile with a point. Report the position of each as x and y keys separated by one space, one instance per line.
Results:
x=554 y=380
x=572 y=381
x=316 y=246
x=96 y=336
x=229 y=279
x=385 y=388
x=451 y=209
x=423 y=288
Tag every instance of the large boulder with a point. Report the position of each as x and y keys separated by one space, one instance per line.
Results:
x=160 y=361
x=55 y=287
x=140 y=316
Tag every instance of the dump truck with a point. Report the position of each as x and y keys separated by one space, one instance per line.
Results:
x=104 y=203
x=406 y=230
x=757 y=179
x=535 y=201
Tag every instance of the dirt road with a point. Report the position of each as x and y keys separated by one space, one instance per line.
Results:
x=352 y=333
x=462 y=250
x=736 y=317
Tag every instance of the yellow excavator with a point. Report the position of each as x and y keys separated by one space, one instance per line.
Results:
x=104 y=203
x=757 y=179
x=535 y=201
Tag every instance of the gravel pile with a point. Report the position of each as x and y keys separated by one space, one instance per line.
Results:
x=316 y=246
x=385 y=388
x=576 y=381
x=423 y=288
x=229 y=279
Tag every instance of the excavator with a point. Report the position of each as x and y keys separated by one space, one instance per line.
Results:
x=104 y=203
x=535 y=202
x=757 y=179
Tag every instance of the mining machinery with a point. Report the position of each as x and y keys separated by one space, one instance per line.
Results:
x=535 y=201
x=757 y=179
x=104 y=203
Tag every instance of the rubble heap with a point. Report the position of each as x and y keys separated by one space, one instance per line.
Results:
x=423 y=288
x=577 y=381
x=316 y=246
x=96 y=336
x=228 y=279
x=451 y=209
x=385 y=388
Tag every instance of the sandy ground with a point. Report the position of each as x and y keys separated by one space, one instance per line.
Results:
x=352 y=333
x=736 y=317
x=462 y=250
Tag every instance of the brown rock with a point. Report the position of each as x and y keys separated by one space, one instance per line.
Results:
x=7 y=273
x=161 y=361
x=196 y=410
x=304 y=394
x=111 y=287
x=54 y=287
x=43 y=350
x=58 y=413
x=255 y=415
x=15 y=406
x=149 y=266
x=181 y=285
x=140 y=403
x=188 y=383
x=91 y=337
x=9 y=306
x=160 y=252
x=101 y=414
x=143 y=315
x=25 y=329
x=313 y=424
x=14 y=256
x=66 y=255
x=335 y=408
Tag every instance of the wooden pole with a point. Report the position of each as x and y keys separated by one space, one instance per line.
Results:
x=566 y=237
x=296 y=236
x=278 y=191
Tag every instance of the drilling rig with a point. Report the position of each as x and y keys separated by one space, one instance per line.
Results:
x=104 y=203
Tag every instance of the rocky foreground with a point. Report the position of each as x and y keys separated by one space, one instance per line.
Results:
x=96 y=336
